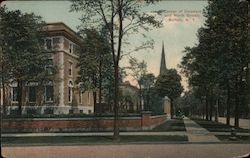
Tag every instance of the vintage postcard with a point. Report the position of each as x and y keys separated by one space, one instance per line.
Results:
x=124 y=79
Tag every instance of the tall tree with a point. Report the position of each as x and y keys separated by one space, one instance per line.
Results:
x=200 y=66
x=219 y=61
x=23 y=48
x=147 y=81
x=169 y=84
x=120 y=18
x=138 y=70
x=94 y=62
x=188 y=104
x=228 y=20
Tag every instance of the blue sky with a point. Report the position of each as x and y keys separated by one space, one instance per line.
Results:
x=175 y=34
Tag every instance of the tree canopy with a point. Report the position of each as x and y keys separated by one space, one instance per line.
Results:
x=218 y=64
x=169 y=84
x=120 y=18
x=23 y=56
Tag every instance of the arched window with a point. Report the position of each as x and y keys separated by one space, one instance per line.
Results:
x=70 y=68
x=70 y=91
x=14 y=92
x=88 y=101
x=80 y=96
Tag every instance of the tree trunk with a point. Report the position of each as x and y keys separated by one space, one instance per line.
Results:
x=20 y=96
x=207 y=102
x=148 y=108
x=210 y=106
x=100 y=85
x=237 y=102
x=203 y=109
x=3 y=87
x=217 y=109
x=116 y=66
x=236 y=115
x=4 y=98
x=94 y=95
x=116 y=110
x=228 y=103
x=140 y=97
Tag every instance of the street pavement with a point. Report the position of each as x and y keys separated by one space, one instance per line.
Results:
x=129 y=151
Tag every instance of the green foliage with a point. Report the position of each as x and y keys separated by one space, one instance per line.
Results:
x=95 y=60
x=188 y=104
x=169 y=84
x=23 y=57
x=22 y=39
x=120 y=19
x=155 y=103
x=147 y=81
x=219 y=62
x=138 y=69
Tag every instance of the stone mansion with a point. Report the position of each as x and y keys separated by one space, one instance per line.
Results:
x=58 y=97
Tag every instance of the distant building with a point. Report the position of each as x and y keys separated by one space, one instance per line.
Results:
x=163 y=68
x=61 y=95
x=129 y=99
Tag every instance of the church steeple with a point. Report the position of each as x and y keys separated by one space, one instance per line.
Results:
x=163 y=66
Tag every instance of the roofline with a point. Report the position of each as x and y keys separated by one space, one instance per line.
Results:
x=70 y=31
x=60 y=22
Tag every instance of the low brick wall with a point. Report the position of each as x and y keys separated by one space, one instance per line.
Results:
x=145 y=122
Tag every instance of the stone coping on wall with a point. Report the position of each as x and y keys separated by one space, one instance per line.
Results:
x=156 y=116
x=69 y=130
x=76 y=118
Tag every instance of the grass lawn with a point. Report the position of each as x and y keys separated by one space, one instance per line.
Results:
x=213 y=126
x=237 y=138
x=53 y=140
x=176 y=124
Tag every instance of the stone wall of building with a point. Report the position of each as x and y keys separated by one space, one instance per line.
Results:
x=144 y=122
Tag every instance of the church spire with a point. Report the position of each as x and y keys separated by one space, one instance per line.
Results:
x=163 y=66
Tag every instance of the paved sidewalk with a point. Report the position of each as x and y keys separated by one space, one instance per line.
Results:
x=196 y=133
x=179 y=133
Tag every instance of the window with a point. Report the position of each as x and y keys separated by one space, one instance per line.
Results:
x=88 y=99
x=49 y=67
x=56 y=43
x=70 y=68
x=70 y=48
x=14 y=94
x=80 y=97
x=48 y=43
x=49 y=93
x=70 y=92
x=32 y=94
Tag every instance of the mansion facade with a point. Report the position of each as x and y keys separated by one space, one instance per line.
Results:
x=62 y=95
